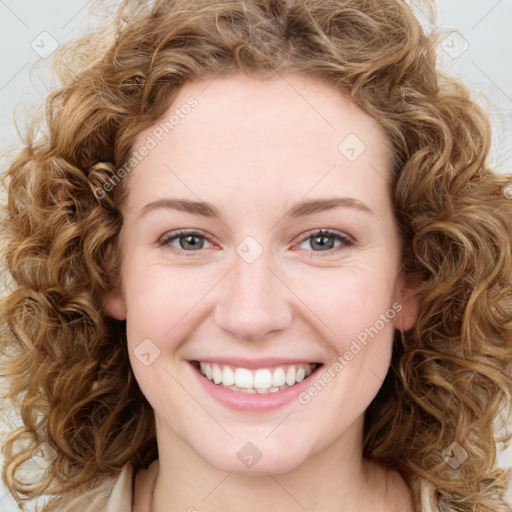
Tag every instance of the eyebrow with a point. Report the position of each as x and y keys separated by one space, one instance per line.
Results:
x=300 y=209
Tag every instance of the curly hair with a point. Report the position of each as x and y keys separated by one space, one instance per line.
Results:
x=66 y=361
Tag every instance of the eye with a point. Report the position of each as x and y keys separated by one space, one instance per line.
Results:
x=187 y=241
x=190 y=241
x=323 y=240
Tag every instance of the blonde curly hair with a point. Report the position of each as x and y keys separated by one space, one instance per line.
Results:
x=66 y=361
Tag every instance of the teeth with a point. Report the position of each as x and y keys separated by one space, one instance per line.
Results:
x=216 y=374
x=228 y=376
x=209 y=373
x=263 y=379
x=290 y=376
x=278 y=379
x=243 y=378
x=260 y=381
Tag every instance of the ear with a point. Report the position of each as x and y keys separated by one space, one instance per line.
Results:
x=114 y=305
x=408 y=300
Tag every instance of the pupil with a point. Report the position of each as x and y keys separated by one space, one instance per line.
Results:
x=321 y=241
x=189 y=241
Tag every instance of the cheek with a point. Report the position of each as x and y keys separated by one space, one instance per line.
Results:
x=356 y=315
x=160 y=309
x=348 y=300
x=158 y=297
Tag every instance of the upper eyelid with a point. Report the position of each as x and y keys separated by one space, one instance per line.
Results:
x=326 y=231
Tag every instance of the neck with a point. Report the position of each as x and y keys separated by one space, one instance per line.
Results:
x=337 y=478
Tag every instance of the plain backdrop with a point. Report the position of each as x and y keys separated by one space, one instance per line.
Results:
x=477 y=48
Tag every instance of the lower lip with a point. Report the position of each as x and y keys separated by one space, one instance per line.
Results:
x=254 y=402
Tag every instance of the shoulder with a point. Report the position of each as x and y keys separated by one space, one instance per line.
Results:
x=113 y=494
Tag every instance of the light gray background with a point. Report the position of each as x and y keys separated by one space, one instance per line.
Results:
x=480 y=53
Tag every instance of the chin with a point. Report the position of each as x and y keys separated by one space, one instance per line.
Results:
x=253 y=459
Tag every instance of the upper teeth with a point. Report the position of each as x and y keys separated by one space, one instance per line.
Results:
x=260 y=380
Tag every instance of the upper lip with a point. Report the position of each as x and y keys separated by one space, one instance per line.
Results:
x=265 y=362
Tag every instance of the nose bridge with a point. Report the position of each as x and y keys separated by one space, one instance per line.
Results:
x=254 y=302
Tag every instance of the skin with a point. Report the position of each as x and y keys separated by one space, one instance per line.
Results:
x=253 y=148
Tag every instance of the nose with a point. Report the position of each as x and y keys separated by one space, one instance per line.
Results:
x=255 y=302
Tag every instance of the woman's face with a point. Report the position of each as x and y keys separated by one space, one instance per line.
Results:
x=249 y=173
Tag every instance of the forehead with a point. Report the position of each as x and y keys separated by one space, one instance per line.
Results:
x=290 y=130
x=268 y=111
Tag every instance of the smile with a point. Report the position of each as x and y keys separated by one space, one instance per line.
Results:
x=261 y=380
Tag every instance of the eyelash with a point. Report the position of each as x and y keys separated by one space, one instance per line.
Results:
x=345 y=239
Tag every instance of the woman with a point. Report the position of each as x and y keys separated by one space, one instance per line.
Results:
x=259 y=263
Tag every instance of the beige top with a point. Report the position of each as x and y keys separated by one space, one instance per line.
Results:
x=116 y=494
